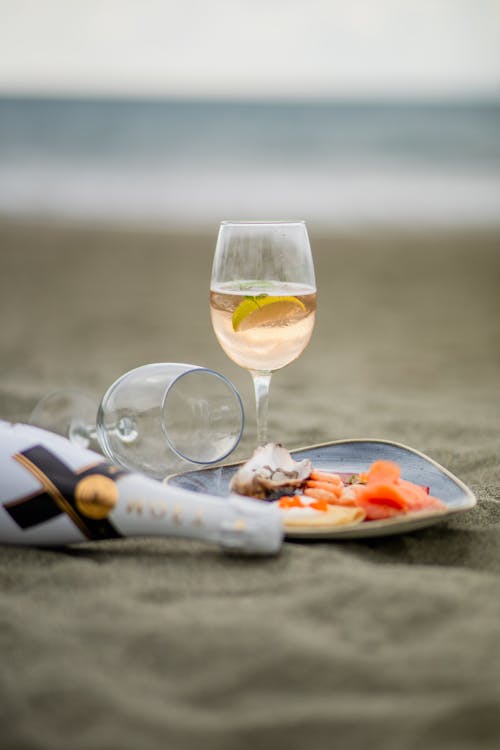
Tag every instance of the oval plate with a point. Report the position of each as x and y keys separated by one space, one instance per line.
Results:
x=354 y=456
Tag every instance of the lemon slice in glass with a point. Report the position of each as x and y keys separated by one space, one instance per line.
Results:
x=265 y=310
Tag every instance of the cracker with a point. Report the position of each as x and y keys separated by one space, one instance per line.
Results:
x=335 y=516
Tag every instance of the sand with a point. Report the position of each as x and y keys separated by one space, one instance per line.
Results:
x=388 y=644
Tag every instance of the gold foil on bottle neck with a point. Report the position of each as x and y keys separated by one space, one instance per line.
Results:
x=96 y=496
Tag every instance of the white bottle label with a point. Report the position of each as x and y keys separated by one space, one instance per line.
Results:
x=54 y=492
x=44 y=480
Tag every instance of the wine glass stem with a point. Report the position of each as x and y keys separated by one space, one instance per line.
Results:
x=261 y=383
x=82 y=433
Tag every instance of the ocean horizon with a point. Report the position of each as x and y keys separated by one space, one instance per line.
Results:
x=187 y=164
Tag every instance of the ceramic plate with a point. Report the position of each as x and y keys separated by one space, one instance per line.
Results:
x=355 y=456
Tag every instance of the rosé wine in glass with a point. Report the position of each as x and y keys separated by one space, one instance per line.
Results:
x=263 y=299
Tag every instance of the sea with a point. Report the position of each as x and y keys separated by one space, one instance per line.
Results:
x=190 y=164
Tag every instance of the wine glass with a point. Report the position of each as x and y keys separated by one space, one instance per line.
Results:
x=263 y=299
x=155 y=419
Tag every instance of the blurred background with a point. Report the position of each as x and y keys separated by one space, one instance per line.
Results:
x=129 y=130
x=185 y=113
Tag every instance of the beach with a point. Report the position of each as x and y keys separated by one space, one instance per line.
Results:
x=391 y=643
x=402 y=316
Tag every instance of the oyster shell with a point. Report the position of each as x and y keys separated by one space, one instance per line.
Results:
x=269 y=471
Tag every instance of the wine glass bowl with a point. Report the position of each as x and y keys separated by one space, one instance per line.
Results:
x=263 y=299
x=156 y=410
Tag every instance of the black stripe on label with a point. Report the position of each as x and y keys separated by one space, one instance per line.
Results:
x=31 y=512
x=39 y=508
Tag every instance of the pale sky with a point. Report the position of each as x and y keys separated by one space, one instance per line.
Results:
x=250 y=48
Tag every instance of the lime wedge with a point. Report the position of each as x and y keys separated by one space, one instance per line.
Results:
x=265 y=310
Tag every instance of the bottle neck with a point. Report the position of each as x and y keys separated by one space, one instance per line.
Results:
x=150 y=508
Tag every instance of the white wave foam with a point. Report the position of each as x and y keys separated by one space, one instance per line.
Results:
x=194 y=197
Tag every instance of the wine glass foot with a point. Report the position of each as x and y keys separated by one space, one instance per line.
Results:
x=68 y=412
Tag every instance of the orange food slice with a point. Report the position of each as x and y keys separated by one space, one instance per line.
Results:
x=386 y=494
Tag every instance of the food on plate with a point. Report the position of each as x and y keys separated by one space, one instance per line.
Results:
x=270 y=470
x=316 y=498
x=334 y=515
x=385 y=494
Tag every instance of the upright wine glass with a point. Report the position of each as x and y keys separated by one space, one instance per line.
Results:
x=263 y=299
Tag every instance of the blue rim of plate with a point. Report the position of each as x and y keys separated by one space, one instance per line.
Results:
x=354 y=455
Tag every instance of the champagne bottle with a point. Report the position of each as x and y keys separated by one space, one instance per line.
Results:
x=53 y=492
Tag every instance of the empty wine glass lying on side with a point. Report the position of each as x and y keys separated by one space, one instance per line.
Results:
x=155 y=419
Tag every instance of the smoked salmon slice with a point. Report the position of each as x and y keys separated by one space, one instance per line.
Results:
x=385 y=494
